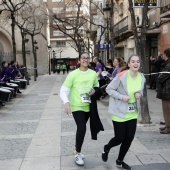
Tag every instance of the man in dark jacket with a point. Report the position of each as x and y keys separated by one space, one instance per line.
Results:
x=164 y=91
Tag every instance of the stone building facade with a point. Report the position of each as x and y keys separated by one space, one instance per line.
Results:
x=6 y=49
x=158 y=31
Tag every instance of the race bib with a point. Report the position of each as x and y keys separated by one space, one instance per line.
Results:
x=85 y=98
x=131 y=107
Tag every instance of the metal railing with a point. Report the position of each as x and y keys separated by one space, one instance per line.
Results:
x=6 y=56
x=165 y=6
x=121 y=26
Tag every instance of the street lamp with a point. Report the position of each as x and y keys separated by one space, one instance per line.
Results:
x=24 y=41
x=49 y=59
x=88 y=36
x=53 y=61
x=36 y=48
x=60 y=53
x=35 y=60
x=106 y=12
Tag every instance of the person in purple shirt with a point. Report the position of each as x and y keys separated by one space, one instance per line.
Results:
x=13 y=70
x=99 y=68
x=5 y=76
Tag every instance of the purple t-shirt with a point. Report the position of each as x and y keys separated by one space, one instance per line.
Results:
x=116 y=70
x=99 y=68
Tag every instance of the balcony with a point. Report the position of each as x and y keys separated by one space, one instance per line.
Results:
x=120 y=27
x=165 y=9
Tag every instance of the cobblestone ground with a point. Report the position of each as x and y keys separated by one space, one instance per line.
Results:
x=35 y=134
x=149 y=151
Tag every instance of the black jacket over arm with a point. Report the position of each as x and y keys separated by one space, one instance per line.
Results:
x=95 y=122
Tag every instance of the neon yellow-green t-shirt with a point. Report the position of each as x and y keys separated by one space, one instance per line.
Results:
x=133 y=85
x=64 y=66
x=80 y=83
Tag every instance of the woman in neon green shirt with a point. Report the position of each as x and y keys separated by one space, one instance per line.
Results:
x=75 y=94
x=125 y=91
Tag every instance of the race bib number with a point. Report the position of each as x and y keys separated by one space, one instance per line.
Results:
x=131 y=107
x=85 y=98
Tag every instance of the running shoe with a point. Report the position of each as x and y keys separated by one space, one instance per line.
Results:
x=123 y=165
x=75 y=152
x=105 y=154
x=78 y=159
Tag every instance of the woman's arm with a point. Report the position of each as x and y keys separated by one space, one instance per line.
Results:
x=112 y=88
x=64 y=94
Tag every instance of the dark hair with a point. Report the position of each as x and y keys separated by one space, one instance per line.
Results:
x=167 y=52
x=3 y=62
x=82 y=54
x=120 y=60
x=109 y=61
x=12 y=62
x=160 y=57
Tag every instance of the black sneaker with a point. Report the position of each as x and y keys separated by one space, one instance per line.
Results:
x=105 y=154
x=123 y=165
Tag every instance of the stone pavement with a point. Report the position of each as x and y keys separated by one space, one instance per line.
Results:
x=35 y=134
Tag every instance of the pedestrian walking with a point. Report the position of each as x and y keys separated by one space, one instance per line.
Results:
x=163 y=91
x=125 y=91
x=64 y=67
x=79 y=86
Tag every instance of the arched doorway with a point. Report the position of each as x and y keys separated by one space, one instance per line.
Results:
x=5 y=48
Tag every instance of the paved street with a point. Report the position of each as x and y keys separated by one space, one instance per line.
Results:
x=35 y=134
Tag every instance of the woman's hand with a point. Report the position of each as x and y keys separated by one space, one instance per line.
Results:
x=67 y=109
x=125 y=98
x=137 y=95
x=92 y=91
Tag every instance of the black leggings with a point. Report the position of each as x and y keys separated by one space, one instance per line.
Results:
x=124 y=135
x=81 y=119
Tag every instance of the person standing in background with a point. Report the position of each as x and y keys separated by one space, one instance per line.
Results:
x=118 y=63
x=58 y=68
x=68 y=67
x=99 y=68
x=109 y=66
x=163 y=92
x=157 y=63
x=152 y=77
x=64 y=67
